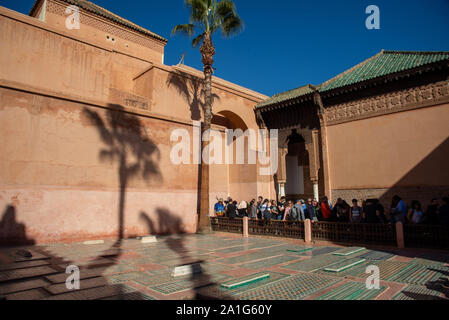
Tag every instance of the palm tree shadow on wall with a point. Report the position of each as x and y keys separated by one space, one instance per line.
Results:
x=192 y=91
x=127 y=143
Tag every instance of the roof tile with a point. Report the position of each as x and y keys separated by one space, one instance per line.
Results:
x=382 y=64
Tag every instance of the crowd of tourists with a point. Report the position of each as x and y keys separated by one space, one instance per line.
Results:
x=369 y=211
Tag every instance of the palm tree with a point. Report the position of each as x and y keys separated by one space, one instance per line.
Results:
x=208 y=17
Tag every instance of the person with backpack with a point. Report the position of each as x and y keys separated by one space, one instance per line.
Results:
x=252 y=211
x=231 y=209
x=297 y=212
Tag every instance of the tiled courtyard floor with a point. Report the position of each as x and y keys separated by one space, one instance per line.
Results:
x=289 y=270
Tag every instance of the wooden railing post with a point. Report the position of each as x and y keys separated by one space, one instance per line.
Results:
x=308 y=231
x=245 y=227
x=400 y=235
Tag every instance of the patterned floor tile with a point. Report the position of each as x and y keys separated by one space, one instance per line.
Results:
x=130 y=296
x=348 y=251
x=319 y=251
x=25 y=264
x=344 y=264
x=186 y=284
x=35 y=294
x=291 y=288
x=421 y=275
x=247 y=257
x=22 y=286
x=216 y=291
x=124 y=277
x=414 y=292
x=314 y=263
x=84 y=284
x=427 y=262
x=353 y=272
x=19 y=258
x=352 y=291
x=376 y=255
x=387 y=269
x=84 y=274
x=18 y=274
x=94 y=293
x=269 y=262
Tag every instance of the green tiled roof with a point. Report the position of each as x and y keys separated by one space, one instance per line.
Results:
x=288 y=95
x=382 y=64
x=95 y=9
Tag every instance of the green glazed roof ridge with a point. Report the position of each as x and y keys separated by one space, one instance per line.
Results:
x=102 y=12
x=289 y=95
x=388 y=63
x=384 y=63
x=340 y=75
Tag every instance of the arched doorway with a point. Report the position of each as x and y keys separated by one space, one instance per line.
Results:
x=297 y=166
x=234 y=179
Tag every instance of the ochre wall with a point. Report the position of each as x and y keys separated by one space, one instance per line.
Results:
x=55 y=170
x=403 y=153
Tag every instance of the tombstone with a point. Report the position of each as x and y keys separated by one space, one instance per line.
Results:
x=187 y=270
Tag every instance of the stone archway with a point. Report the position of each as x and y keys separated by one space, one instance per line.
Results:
x=235 y=179
x=299 y=158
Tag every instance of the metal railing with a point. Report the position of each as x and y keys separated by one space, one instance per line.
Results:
x=431 y=236
x=354 y=232
x=276 y=228
x=232 y=225
x=421 y=235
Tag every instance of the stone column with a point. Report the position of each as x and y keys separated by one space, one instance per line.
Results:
x=245 y=227
x=316 y=193
x=281 y=190
x=308 y=231
x=400 y=235
x=313 y=148
x=282 y=170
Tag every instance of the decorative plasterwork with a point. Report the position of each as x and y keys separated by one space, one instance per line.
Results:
x=403 y=100
x=109 y=28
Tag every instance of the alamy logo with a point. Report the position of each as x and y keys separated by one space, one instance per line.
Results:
x=73 y=281
x=73 y=20
x=373 y=20
x=373 y=281
x=213 y=152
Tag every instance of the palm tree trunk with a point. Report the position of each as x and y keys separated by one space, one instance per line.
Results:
x=208 y=51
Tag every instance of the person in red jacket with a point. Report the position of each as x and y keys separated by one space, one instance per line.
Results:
x=326 y=211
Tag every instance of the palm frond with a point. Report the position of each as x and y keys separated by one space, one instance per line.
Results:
x=198 y=40
x=198 y=10
x=231 y=25
x=225 y=8
x=186 y=29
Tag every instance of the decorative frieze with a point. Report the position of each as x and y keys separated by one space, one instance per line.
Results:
x=108 y=28
x=418 y=97
x=129 y=100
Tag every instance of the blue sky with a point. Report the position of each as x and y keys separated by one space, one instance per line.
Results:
x=289 y=43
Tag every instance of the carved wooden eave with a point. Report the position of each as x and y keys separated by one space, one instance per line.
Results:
x=402 y=100
x=287 y=106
